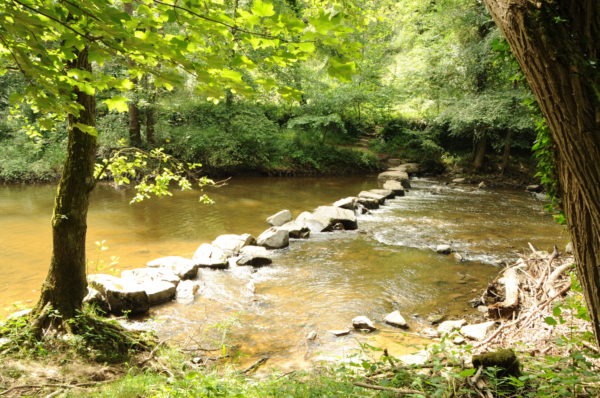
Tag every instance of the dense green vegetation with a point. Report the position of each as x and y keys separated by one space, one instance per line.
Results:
x=433 y=83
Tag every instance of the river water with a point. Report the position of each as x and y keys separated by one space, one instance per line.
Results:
x=315 y=285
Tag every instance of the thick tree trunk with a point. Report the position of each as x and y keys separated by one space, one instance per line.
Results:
x=135 y=135
x=557 y=45
x=479 y=152
x=66 y=284
x=506 y=152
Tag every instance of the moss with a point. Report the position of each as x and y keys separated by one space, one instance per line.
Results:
x=505 y=360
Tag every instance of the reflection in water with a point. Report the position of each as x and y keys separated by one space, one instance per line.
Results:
x=315 y=285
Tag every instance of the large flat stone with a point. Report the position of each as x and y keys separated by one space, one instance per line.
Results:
x=387 y=193
x=159 y=291
x=142 y=275
x=477 y=331
x=396 y=175
x=122 y=295
x=184 y=268
x=394 y=186
x=347 y=203
x=274 y=238
x=332 y=216
x=256 y=256
x=373 y=196
x=210 y=256
x=232 y=244
x=296 y=230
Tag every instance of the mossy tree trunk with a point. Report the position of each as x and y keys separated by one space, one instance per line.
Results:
x=66 y=284
x=557 y=44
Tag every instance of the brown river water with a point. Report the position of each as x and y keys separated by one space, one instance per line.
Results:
x=318 y=284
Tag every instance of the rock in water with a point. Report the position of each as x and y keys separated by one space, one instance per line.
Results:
x=231 y=244
x=186 y=292
x=388 y=193
x=308 y=219
x=373 y=196
x=448 y=326
x=274 y=238
x=159 y=291
x=459 y=180
x=347 y=203
x=394 y=186
x=395 y=319
x=339 y=333
x=363 y=323
x=184 y=268
x=296 y=230
x=280 y=218
x=256 y=256
x=122 y=295
x=477 y=331
x=396 y=175
x=331 y=215
x=209 y=256
x=142 y=275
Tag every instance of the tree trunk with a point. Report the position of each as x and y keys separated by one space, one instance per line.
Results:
x=66 y=284
x=135 y=135
x=479 y=152
x=150 y=125
x=557 y=45
x=506 y=152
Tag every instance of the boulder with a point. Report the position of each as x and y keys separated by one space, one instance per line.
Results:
x=394 y=186
x=96 y=299
x=396 y=175
x=368 y=203
x=363 y=323
x=141 y=275
x=389 y=194
x=274 y=238
x=477 y=331
x=186 y=292
x=448 y=326
x=159 y=291
x=417 y=359
x=409 y=168
x=330 y=216
x=296 y=230
x=122 y=295
x=347 y=203
x=184 y=268
x=209 y=256
x=309 y=220
x=311 y=336
x=443 y=249
x=371 y=195
x=459 y=180
x=280 y=218
x=256 y=256
x=231 y=244
x=395 y=319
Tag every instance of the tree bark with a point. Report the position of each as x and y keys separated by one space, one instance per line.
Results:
x=66 y=284
x=557 y=44
x=479 y=152
x=506 y=152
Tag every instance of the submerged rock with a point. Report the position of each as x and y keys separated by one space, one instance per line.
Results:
x=184 y=268
x=395 y=319
x=477 y=331
x=256 y=256
x=209 y=256
x=296 y=230
x=280 y=218
x=231 y=244
x=274 y=238
x=122 y=295
x=394 y=186
x=363 y=323
x=368 y=203
x=396 y=175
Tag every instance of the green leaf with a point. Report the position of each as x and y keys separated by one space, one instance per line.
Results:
x=262 y=9
x=91 y=130
x=341 y=70
x=467 y=372
x=550 y=321
x=117 y=103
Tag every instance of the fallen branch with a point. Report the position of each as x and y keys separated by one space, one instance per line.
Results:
x=506 y=308
x=255 y=365
x=392 y=389
x=52 y=385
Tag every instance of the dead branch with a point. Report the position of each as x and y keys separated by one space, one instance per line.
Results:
x=255 y=365
x=392 y=389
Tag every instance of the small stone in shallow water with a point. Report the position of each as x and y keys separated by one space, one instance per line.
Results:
x=448 y=326
x=311 y=336
x=434 y=319
x=339 y=333
x=443 y=249
x=363 y=323
x=395 y=319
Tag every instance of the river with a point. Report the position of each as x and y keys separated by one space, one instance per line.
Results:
x=315 y=285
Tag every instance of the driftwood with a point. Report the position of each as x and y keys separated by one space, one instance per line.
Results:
x=510 y=304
